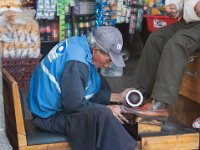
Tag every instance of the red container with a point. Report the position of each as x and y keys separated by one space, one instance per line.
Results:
x=158 y=21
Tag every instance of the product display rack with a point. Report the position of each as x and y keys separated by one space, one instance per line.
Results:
x=73 y=24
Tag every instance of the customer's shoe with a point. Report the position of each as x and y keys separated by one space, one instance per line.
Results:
x=154 y=110
x=146 y=104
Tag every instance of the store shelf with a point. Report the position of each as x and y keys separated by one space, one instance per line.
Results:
x=43 y=42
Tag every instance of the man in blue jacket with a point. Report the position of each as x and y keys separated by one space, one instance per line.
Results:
x=68 y=95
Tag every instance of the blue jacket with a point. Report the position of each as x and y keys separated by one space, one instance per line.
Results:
x=44 y=97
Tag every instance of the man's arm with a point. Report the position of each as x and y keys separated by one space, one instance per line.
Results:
x=104 y=94
x=73 y=82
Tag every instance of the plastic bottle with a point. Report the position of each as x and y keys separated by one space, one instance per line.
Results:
x=42 y=31
x=54 y=28
x=48 y=33
x=140 y=13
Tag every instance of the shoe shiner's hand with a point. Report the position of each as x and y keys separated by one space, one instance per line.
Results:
x=117 y=112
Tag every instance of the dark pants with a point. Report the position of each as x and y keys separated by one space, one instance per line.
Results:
x=162 y=63
x=92 y=129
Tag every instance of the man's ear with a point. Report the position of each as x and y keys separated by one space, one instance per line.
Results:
x=95 y=50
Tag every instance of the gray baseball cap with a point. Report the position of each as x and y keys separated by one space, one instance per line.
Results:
x=111 y=42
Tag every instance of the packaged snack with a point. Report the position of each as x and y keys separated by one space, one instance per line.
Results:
x=5 y=50
x=18 y=50
x=24 y=48
x=36 y=51
x=13 y=5
x=30 y=53
x=1 y=48
x=18 y=33
x=106 y=13
x=46 y=9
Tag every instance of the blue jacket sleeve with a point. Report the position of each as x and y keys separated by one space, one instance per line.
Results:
x=103 y=96
x=73 y=82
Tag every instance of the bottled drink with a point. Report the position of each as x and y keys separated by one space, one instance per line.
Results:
x=139 y=19
x=42 y=31
x=55 y=31
x=48 y=33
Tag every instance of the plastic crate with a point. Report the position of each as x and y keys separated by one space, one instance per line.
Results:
x=158 y=21
x=21 y=69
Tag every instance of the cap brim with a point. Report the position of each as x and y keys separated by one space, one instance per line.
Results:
x=117 y=59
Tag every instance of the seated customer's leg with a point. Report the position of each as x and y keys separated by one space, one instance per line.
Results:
x=91 y=129
x=172 y=64
x=170 y=72
x=145 y=72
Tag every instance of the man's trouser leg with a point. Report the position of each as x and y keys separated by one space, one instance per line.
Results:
x=146 y=70
x=94 y=128
x=172 y=63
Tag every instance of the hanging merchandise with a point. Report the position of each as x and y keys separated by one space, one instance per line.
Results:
x=84 y=11
x=85 y=7
x=123 y=11
x=62 y=11
x=62 y=33
x=132 y=24
x=63 y=6
x=106 y=13
x=136 y=15
x=140 y=13
x=46 y=9
x=46 y=17
x=129 y=11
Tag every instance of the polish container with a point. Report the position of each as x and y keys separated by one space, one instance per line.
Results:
x=133 y=98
